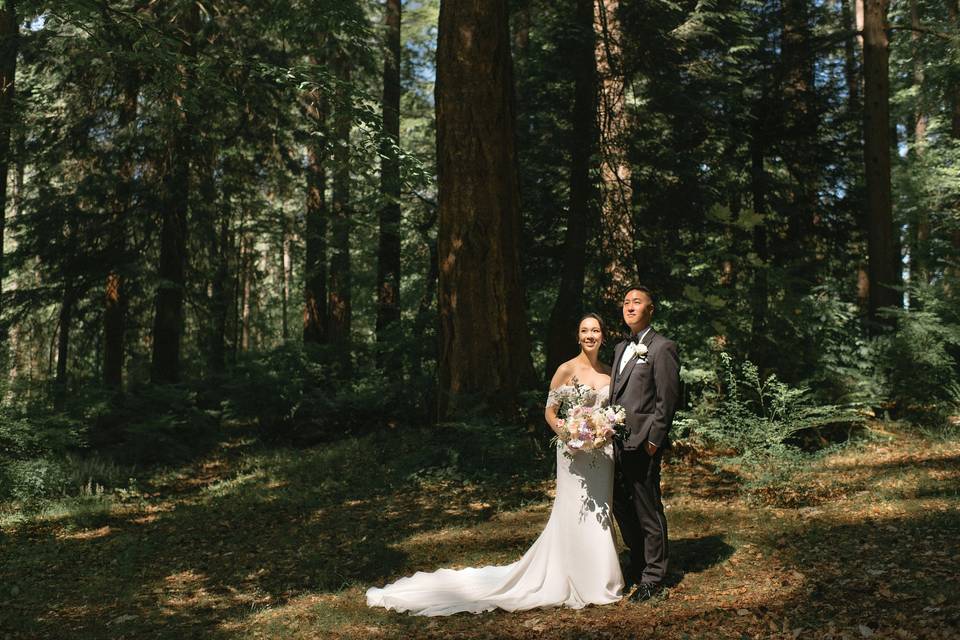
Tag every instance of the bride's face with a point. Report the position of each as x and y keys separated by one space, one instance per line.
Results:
x=590 y=334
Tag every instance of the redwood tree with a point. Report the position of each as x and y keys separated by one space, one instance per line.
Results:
x=883 y=269
x=315 y=271
x=617 y=228
x=9 y=33
x=580 y=215
x=484 y=339
x=388 y=254
x=168 y=318
x=340 y=300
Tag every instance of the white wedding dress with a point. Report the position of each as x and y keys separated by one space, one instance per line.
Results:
x=573 y=563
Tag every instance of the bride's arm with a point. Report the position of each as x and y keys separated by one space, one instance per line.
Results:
x=560 y=378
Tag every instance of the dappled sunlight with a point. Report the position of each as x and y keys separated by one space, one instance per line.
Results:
x=84 y=534
x=287 y=549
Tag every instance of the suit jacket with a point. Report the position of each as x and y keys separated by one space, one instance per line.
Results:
x=649 y=391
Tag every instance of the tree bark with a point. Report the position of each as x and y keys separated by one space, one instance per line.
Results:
x=759 y=293
x=920 y=224
x=286 y=267
x=220 y=290
x=799 y=141
x=388 y=253
x=850 y=72
x=616 y=195
x=9 y=40
x=883 y=269
x=561 y=343
x=169 y=316
x=247 y=260
x=315 y=270
x=484 y=338
x=115 y=309
x=953 y=271
x=65 y=321
x=340 y=304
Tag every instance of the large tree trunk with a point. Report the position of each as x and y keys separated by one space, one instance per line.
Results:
x=315 y=270
x=883 y=270
x=616 y=229
x=9 y=38
x=168 y=318
x=484 y=338
x=388 y=253
x=340 y=275
x=115 y=309
x=561 y=342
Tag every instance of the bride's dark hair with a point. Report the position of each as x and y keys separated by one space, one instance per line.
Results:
x=595 y=316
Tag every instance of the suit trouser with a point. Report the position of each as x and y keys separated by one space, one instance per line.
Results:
x=638 y=507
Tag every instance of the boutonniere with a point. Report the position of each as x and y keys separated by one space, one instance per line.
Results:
x=641 y=351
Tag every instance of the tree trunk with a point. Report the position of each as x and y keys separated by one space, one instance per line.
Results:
x=953 y=270
x=315 y=269
x=484 y=339
x=9 y=39
x=883 y=269
x=953 y=12
x=220 y=291
x=115 y=309
x=616 y=229
x=169 y=316
x=851 y=20
x=388 y=254
x=799 y=141
x=65 y=320
x=340 y=275
x=287 y=267
x=246 y=252
x=561 y=342
x=920 y=224
x=425 y=314
x=759 y=293
x=850 y=72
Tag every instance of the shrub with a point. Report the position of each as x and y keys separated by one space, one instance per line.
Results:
x=918 y=361
x=295 y=393
x=757 y=422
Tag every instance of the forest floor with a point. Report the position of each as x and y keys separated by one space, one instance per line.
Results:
x=281 y=543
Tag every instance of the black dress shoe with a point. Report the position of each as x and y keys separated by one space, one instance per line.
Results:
x=646 y=591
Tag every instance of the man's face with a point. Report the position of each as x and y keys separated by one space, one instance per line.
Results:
x=637 y=309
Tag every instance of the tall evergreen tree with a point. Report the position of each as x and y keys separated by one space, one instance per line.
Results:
x=484 y=341
x=388 y=252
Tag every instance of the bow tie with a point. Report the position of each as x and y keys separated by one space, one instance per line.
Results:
x=635 y=338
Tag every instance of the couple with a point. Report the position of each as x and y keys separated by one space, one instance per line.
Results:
x=574 y=561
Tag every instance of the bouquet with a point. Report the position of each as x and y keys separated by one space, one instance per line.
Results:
x=583 y=427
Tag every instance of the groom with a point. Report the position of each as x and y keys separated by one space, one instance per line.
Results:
x=646 y=382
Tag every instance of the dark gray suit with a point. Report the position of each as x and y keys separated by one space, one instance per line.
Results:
x=649 y=390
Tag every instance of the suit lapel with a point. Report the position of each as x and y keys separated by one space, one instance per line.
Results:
x=621 y=379
x=617 y=354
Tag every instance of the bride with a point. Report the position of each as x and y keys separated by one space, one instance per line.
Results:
x=574 y=562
